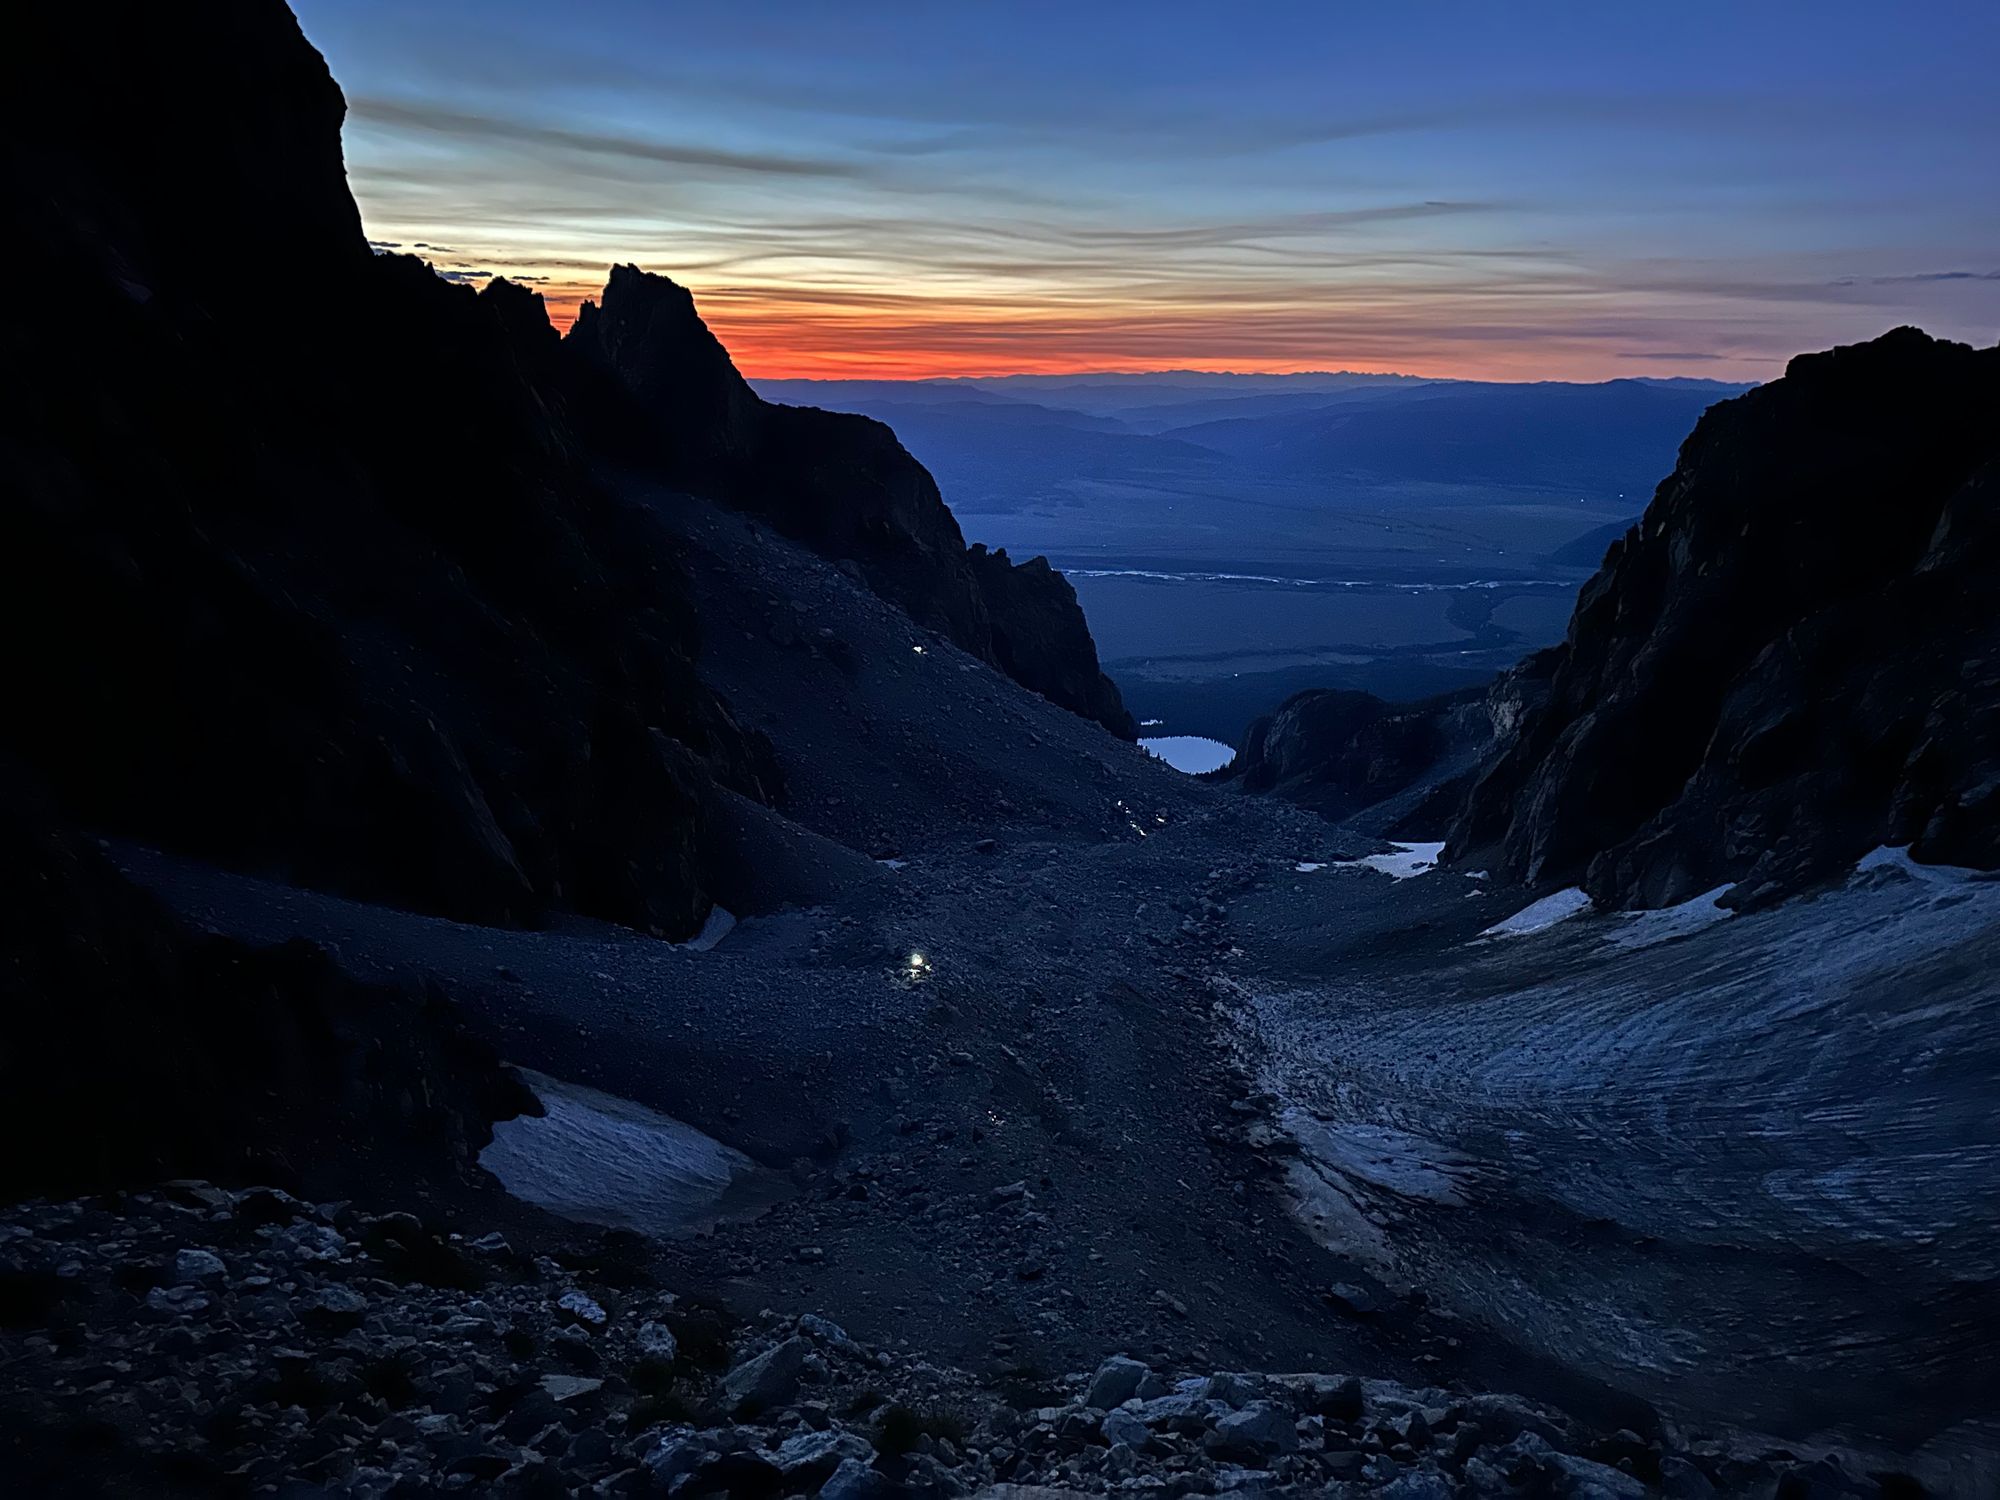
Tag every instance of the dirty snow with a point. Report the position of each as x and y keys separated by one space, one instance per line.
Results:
x=1895 y=860
x=1642 y=929
x=718 y=926
x=1408 y=861
x=605 y=1160
x=1543 y=915
x=1778 y=1132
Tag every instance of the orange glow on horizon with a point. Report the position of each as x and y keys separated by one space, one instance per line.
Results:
x=796 y=334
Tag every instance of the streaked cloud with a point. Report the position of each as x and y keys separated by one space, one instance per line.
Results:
x=1918 y=278
x=411 y=115
x=922 y=189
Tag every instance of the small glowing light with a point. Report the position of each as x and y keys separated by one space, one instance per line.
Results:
x=918 y=649
x=918 y=961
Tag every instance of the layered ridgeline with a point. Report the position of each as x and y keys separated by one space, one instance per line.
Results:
x=1792 y=658
x=309 y=557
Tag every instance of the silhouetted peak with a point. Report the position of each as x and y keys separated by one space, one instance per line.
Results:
x=521 y=312
x=629 y=284
x=843 y=485
x=1905 y=346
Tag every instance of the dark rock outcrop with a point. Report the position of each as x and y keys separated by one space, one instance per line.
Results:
x=1405 y=766
x=132 y=1049
x=1793 y=658
x=839 y=483
x=1039 y=637
x=304 y=564
x=1328 y=749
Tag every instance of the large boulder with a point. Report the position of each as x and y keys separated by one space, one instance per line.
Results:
x=1117 y=1381
x=1259 y=1431
x=764 y=1380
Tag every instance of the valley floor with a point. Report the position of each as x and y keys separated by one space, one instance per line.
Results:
x=1194 y=1085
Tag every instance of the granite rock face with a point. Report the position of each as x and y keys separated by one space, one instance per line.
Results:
x=1396 y=769
x=1792 y=658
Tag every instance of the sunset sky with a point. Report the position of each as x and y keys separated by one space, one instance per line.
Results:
x=1513 y=191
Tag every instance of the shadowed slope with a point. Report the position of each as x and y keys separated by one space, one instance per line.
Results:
x=841 y=484
x=1791 y=660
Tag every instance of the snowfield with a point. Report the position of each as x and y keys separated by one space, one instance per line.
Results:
x=1542 y=915
x=1749 y=1169
x=606 y=1160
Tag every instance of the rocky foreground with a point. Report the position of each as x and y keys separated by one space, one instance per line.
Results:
x=195 y=1340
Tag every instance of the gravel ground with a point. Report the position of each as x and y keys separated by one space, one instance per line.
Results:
x=1040 y=1051
x=194 y=1340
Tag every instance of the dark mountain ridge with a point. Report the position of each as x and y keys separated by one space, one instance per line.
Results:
x=323 y=558
x=318 y=575
x=1790 y=660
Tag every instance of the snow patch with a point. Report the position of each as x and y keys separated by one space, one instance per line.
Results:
x=601 y=1159
x=1307 y=866
x=1390 y=1160
x=718 y=926
x=1544 y=914
x=1190 y=752
x=1642 y=929
x=1409 y=860
x=1895 y=860
x=1352 y=1180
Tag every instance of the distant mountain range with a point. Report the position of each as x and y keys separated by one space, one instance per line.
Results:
x=1235 y=538
x=1786 y=663
x=1038 y=445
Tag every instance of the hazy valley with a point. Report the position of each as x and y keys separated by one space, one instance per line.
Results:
x=1236 y=538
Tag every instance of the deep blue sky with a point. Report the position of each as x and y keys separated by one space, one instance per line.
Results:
x=1515 y=190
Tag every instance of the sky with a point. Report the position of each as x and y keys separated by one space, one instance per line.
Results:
x=958 y=187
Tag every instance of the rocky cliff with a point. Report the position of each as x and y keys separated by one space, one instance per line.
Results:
x=1337 y=751
x=1792 y=658
x=309 y=567
x=311 y=547
x=842 y=484
x=1038 y=637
